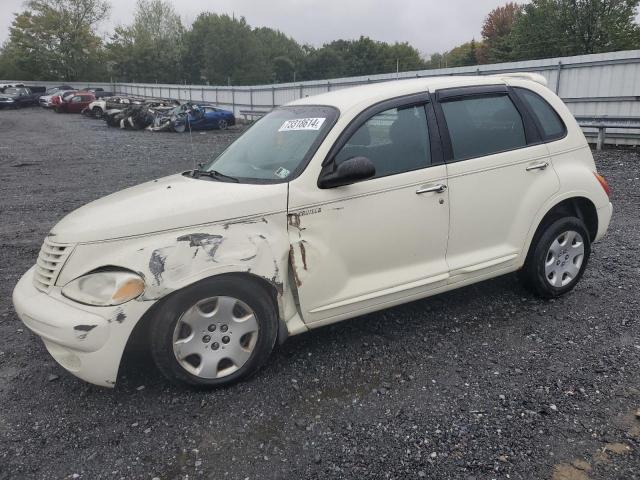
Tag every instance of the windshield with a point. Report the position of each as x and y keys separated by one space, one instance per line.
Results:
x=277 y=145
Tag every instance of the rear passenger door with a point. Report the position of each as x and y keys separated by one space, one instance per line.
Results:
x=499 y=176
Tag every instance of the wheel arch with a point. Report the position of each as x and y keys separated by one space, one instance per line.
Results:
x=578 y=206
x=138 y=339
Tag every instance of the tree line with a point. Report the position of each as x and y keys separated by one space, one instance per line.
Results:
x=59 y=40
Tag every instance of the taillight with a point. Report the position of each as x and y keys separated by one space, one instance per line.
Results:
x=603 y=183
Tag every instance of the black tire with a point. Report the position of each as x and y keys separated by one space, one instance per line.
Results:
x=533 y=274
x=97 y=112
x=246 y=290
x=222 y=124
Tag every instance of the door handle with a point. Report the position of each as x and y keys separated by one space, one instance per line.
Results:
x=438 y=188
x=537 y=166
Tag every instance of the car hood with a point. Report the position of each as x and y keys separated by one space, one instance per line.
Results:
x=168 y=203
x=12 y=96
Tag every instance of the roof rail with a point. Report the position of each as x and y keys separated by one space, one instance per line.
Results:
x=534 y=77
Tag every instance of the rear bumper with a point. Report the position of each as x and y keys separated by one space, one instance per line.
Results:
x=87 y=341
x=604 y=218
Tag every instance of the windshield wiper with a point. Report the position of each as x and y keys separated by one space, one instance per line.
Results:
x=214 y=174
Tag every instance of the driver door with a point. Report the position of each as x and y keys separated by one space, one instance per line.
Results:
x=381 y=241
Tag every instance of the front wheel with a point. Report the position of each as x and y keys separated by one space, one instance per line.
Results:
x=215 y=332
x=557 y=258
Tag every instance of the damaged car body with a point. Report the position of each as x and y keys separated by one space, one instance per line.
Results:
x=325 y=209
x=137 y=115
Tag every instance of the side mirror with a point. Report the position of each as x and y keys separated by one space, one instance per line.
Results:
x=352 y=170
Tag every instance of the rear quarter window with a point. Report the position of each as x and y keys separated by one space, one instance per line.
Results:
x=549 y=122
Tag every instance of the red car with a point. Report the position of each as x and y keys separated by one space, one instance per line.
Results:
x=61 y=97
x=75 y=103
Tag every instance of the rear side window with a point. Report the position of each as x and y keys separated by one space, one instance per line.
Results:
x=549 y=122
x=483 y=125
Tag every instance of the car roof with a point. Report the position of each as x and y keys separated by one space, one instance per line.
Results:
x=360 y=96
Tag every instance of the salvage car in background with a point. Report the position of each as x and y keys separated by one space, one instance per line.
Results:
x=75 y=103
x=17 y=97
x=10 y=85
x=45 y=100
x=138 y=116
x=98 y=107
x=61 y=97
x=202 y=117
x=97 y=92
x=326 y=209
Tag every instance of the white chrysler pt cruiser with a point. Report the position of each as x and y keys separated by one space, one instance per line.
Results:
x=327 y=208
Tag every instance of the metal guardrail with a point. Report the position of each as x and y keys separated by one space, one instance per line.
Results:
x=251 y=114
x=603 y=122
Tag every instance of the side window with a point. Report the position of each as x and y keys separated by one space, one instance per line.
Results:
x=76 y=99
x=483 y=125
x=548 y=119
x=396 y=141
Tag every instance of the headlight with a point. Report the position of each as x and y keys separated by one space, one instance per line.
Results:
x=104 y=288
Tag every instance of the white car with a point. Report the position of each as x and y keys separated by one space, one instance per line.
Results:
x=328 y=208
x=100 y=106
x=45 y=100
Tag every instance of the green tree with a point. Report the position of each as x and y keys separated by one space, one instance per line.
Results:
x=436 y=60
x=221 y=49
x=548 y=28
x=462 y=55
x=151 y=49
x=282 y=56
x=56 y=40
x=496 y=34
x=360 y=57
x=322 y=63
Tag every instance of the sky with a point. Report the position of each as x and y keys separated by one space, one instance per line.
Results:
x=429 y=25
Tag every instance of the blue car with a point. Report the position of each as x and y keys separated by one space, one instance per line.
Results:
x=201 y=117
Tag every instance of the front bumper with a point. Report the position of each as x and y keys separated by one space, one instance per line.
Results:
x=87 y=341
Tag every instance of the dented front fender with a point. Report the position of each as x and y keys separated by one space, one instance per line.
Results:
x=172 y=260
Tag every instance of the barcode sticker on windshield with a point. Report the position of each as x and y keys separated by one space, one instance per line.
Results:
x=282 y=172
x=302 y=124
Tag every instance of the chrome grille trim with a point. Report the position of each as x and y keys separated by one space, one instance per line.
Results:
x=50 y=260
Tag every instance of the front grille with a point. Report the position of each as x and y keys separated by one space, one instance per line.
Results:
x=50 y=260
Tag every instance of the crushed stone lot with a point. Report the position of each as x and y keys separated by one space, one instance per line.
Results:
x=486 y=382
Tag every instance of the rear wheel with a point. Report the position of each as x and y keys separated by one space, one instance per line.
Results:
x=215 y=332
x=557 y=257
x=222 y=124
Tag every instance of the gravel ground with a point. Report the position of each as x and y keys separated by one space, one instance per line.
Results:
x=485 y=382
